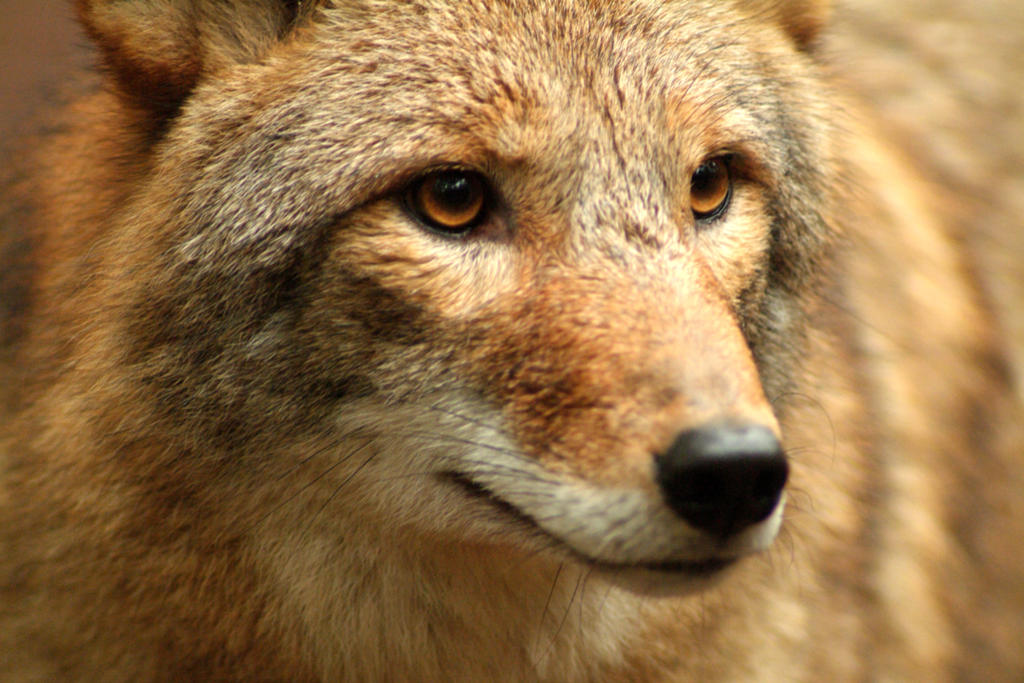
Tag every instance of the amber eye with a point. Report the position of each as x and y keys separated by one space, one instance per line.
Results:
x=451 y=201
x=710 y=188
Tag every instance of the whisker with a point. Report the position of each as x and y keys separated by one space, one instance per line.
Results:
x=461 y=440
x=465 y=418
x=565 y=617
x=547 y=602
x=346 y=480
x=820 y=406
x=318 y=452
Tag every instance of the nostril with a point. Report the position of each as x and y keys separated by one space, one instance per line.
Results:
x=770 y=482
x=724 y=477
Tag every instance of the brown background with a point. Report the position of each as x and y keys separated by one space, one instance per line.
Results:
x=40 y=47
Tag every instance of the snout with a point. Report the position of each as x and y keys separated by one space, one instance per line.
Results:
x=599 y=379
x=723 y=477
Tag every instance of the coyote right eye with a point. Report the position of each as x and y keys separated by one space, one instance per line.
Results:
x=452 y=201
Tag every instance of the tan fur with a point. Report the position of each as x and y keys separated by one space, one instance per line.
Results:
x=260 y=423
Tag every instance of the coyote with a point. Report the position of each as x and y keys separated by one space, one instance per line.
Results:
x=521 y=340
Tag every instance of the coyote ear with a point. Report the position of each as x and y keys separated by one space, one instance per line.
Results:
x=803 y=20
x=157 y=50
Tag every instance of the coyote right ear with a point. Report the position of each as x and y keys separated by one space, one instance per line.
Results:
x=157 y=50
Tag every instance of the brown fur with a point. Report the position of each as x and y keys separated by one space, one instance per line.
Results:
x=258 y=423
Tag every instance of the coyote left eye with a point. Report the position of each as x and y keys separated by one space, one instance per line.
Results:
x=710 y=188
x=451 y=201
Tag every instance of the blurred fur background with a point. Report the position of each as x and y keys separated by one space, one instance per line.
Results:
x=40 y=46
x=947 y=76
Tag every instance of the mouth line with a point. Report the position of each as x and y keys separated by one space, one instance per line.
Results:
x=693 y=568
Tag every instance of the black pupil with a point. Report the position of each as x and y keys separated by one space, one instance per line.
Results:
x=454 y=190
x=705 y=178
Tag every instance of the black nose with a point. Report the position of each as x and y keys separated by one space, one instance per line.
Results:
x=724 y=477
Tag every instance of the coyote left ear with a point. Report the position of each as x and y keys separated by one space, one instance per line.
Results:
x=157 y=50
x=803 y=20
